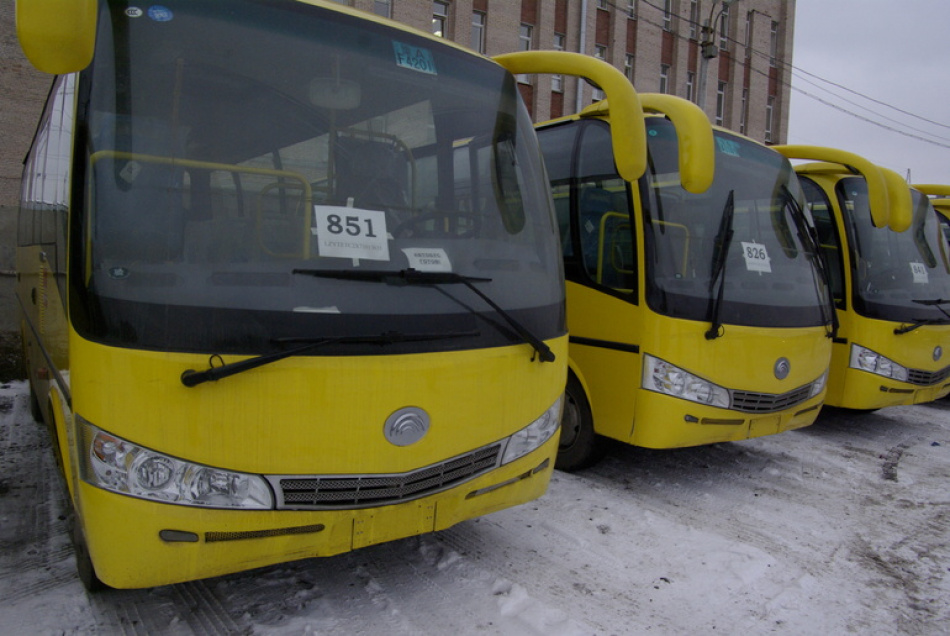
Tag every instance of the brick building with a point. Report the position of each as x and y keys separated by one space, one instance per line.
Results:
x=656 y=43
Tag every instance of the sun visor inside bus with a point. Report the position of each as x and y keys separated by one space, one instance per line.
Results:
x=57 y=36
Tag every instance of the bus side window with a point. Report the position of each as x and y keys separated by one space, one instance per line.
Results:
x=557 y=146
x=603 y=215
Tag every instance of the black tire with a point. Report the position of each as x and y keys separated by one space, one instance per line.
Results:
x=84 y=567
x=580 y=446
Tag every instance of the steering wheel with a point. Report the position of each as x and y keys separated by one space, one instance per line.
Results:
x=411 y=226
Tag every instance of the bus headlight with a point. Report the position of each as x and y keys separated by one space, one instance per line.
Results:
x=534 y=434
x=866 y=360
x=818 y=385
x=663 y=377
x=115 y=464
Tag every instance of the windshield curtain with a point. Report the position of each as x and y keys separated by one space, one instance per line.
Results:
x=769 y=268
x=225 y=148
x=891 y=269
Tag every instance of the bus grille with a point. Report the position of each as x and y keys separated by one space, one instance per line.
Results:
x=750 y=402
x=334 y=492
x=916 y=376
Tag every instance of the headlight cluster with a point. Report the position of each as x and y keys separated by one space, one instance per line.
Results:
x=819 y=385
x=120 y=466
x=663 y=377
x=867 y=360
x=534 y=434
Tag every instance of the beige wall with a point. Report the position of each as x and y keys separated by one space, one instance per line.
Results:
x=22 y=93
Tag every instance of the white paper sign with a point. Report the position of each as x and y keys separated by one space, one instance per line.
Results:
x=756 y=257
x=351 y=233
x=919 y=270
x=428 y=259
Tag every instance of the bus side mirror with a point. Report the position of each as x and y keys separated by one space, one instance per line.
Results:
x=57 y=36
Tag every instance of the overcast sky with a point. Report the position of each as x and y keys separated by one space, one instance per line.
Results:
x=893 y=51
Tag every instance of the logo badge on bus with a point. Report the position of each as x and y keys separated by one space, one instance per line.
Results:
x=782 y=368
x=406 y=426
x=938 y=352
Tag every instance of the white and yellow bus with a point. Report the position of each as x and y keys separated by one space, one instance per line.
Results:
x=697 y=307
x=891 y=283
x=290 y=281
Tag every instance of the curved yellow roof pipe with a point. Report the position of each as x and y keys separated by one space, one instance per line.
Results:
x=626 y=122
x=878 y=195
x=902 y=204
x=57 y=36
x=933 y=189
x=694 y=134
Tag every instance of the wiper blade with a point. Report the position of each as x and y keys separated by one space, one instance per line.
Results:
x=920 y=322
x=412 y=276
x=936 y=302
x=721 y=250
x=401 y=277
x=213 y=373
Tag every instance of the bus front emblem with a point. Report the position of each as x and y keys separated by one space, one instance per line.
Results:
x=938 y=352
x=406 y=426
x=782 y=368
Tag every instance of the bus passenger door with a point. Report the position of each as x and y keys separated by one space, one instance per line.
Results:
x=602 y=272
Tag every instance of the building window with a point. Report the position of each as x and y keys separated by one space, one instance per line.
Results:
x=667 y=15
x=602 y=4
x=632 y=9
x=724 y=28
x=629 y=63
x=769 y=111
x=440 y=18
x=524 y=37
x=600 y=52
x=664 y=78
x=557 y=81
x=748 y=29
x=773 y=44
x=721 y=104
x=478 y=31
x=744 y=112
x=383 y=8
x=694 y=19
x=691 y=86
x=525 y=44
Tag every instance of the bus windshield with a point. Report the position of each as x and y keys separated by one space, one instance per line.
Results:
x=899 y=276
x=741 y=250
x=212 y=172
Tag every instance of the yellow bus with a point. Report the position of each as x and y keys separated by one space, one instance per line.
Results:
x=290 y=280
x=697 y=308
x=891 y=284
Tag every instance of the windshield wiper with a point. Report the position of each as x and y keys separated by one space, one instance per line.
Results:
x=213 y=373
x=412 y=276
x=920 y=322
x=809 y=238
x=720 y=251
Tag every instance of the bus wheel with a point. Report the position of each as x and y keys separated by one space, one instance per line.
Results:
x=580 y=446
x=84 y=566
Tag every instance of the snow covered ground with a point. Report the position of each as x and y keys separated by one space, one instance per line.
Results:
x=838 y=528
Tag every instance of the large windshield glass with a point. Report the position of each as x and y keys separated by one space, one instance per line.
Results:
x=746 y=234
x=228 y=146
x=895 y=270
